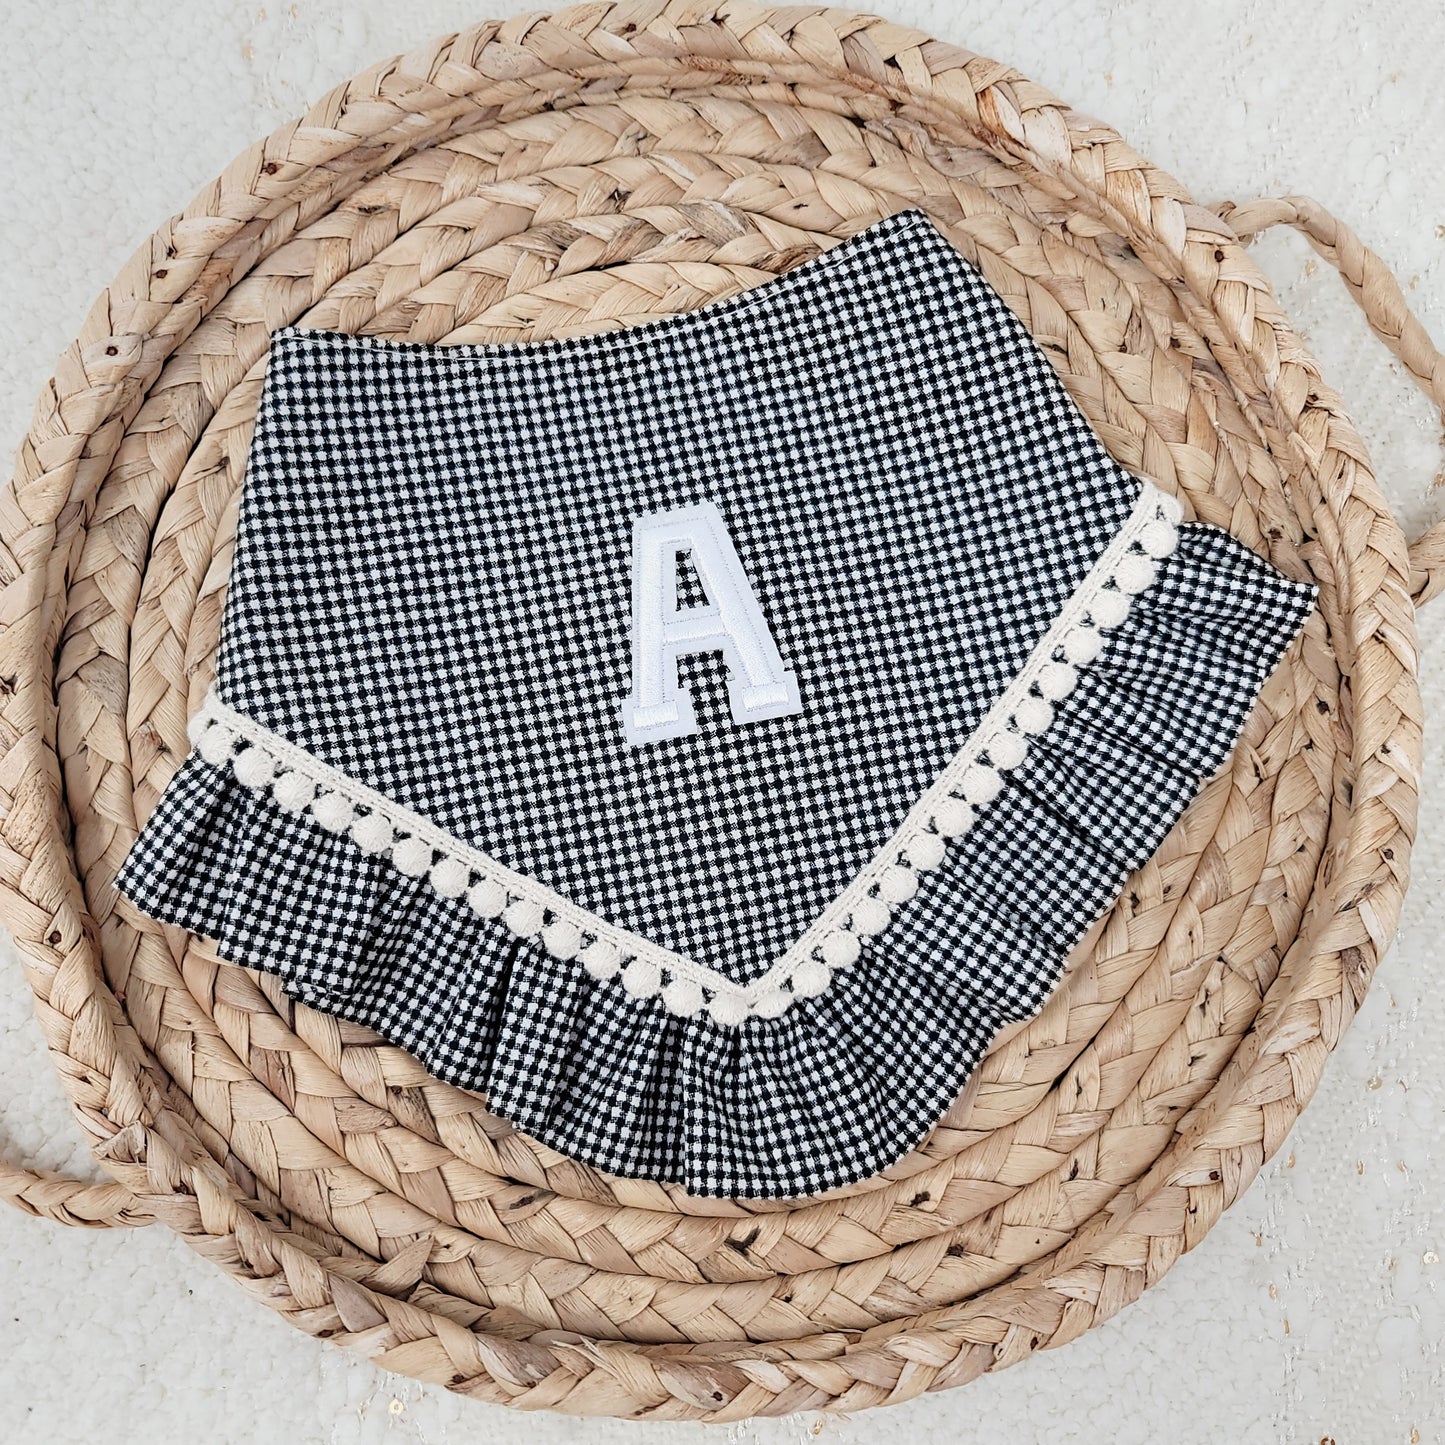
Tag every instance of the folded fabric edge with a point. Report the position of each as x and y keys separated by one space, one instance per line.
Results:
x=1297 y=600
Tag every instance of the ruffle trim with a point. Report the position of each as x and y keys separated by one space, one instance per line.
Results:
x=841 y=1084
x=304 y=785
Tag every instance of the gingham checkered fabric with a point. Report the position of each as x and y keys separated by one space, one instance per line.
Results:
x=431 y=595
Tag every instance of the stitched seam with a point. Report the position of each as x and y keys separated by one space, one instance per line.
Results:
x=864 y=909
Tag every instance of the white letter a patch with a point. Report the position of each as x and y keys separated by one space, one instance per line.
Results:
x=760 y=685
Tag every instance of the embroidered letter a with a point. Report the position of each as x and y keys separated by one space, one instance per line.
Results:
x=731 y=622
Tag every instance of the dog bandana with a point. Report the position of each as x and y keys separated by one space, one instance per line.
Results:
x=700 y=737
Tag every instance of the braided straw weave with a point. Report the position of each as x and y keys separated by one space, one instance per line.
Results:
x=554 y=174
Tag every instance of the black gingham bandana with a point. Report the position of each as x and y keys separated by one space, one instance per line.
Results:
x=701 y=737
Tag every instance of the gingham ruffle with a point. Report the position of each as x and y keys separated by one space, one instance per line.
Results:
x=760 y=962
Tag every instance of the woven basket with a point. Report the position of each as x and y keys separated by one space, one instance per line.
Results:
x=550 y=175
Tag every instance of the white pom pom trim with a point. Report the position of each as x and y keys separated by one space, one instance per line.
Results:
x=412 y=856
x=729 y=1009
x=293 y=791
x=1035 y=715
x=924 y=850
x=642 y=978
x=1159 y=538
x=1083 y=645
x=372 y=834
x=952 y=817
x=773 y=1004
x=217 y=743
x=1110 y=609
x=1136 y=573
x=898 y=884
x=811 y=978
x=562 y=939
x=683 y=998
x=255 y=767
x=524 y=917
x=1057 y=680
x=601 y=959
x=333 y=811
x=1007 y=750
x=870 y=917
x=487 y=898
x=449 y=877
x=302 y=784
x=979 y=783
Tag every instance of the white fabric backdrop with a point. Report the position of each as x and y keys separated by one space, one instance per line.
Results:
x=1316 y=1309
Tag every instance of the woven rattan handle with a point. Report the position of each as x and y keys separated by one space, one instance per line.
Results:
x=47 y=1195
x=1374 y=287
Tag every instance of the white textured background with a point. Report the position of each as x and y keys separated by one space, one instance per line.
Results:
x=1315 y=1310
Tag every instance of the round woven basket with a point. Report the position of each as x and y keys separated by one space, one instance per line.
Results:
x=551 y=175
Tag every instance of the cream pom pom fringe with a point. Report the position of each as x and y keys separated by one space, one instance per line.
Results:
x=301 y=783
